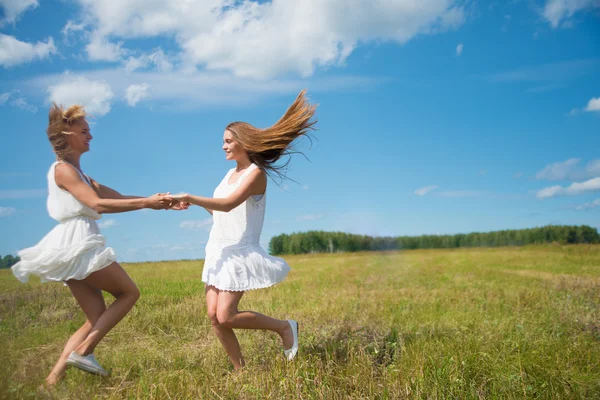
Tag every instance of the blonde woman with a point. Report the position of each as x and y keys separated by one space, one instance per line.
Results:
x=235 y=261
x=74 y=251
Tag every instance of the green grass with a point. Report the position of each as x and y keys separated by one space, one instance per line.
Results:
x=468 y=323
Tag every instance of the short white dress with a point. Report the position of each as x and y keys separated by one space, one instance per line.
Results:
x=235 y=261
x=74 y=248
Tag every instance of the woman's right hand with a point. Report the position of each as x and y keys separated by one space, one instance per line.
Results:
x=159 y=201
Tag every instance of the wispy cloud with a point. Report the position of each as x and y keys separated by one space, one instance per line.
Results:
x=459 y=49
x=135 y=93
x=587 y=206
x=559 y=12
x=569 y=170
x=6 y=211
x=16 y=100
x=424 y=190
x=591 y=185
x=107 y=223
x=186 y=89
x=23 y=194
x=196 y=224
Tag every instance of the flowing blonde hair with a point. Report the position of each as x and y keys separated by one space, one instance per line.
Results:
x=59 y=126
x=266 y=146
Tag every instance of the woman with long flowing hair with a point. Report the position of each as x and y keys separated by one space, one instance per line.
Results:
x=235 y=262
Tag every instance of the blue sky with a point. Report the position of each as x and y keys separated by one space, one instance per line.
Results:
x=435 y=117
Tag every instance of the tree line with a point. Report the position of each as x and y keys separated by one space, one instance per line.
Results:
x=331 y=242
x=8 y=261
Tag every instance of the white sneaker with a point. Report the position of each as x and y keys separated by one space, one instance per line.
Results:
x=291 y=353
x=87 y=363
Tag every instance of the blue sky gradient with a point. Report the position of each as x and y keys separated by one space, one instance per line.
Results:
x=446 y=117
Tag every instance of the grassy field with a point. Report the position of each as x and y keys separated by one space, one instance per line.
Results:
x=468 y=323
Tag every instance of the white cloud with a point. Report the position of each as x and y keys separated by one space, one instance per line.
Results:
x=559 y=170
x=575 y=188
x=23 y=194
x=4 y=98
x=192 y=89
x=593 y=104
x=424 y=190
x=305 y=187
x=196 y=224
x=72 y=26
x=267 y=39
x=107 y=223
x=100 y=49
x=593 y=168
x=6 y=211
x=14 y=52
x=311 y=217
x=587 y=206
x=95 y=96
x=557 y=11
x=569 y=170
x=14 y=8
x=158 y=58
x=459 y=49
x=135 y=93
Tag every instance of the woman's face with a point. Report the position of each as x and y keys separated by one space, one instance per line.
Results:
x=79 y=140
x=233 y=149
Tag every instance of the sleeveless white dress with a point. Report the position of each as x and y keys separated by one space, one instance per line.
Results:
x=235 y=261
x=74 y=248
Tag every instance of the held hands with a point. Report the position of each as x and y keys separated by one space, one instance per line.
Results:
x=164 y=201
x=180 y=201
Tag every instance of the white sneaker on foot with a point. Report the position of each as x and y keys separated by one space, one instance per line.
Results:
x=291 y=353
x=86 y=363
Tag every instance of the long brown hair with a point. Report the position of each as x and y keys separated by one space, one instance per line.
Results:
x=266 y=146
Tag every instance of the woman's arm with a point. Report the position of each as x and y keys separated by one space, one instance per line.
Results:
x=68 y=179
x=108 y=193
x=255 y=183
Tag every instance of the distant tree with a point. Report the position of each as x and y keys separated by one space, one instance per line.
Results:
x=8 y=261
x=320 y=241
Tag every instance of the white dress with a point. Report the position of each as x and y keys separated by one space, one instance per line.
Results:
x=74 y=248
x=235 y=260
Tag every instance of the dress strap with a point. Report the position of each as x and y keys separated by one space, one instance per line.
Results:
x=251 y=168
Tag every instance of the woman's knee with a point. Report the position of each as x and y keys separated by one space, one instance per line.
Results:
x=225 y=317
x=131 y=292
x=212 y=315
x=134 y=293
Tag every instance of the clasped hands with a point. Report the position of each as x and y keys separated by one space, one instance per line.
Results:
x=167 y=201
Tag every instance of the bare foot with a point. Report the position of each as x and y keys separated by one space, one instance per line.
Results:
x=287 y=336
